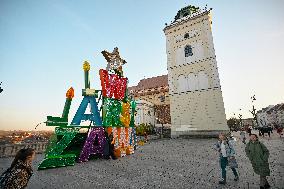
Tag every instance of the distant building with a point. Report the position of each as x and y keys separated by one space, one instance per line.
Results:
x=145 y=113
x=247 y=122
x=272 y=115
x=152 y=96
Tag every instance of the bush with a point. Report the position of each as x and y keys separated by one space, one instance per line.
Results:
x=142 y=128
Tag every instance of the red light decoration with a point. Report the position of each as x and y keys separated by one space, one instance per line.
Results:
x=113 y=86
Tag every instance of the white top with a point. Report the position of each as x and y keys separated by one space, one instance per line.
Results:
x=223 y=149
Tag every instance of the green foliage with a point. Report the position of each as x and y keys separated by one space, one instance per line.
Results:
x=142 y=128
x=233 y=123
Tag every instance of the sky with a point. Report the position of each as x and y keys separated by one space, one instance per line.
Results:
x=43 y=45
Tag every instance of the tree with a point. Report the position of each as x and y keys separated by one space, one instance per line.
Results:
x=233 y=123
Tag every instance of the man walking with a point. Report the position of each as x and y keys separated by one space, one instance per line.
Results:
x=258 y=155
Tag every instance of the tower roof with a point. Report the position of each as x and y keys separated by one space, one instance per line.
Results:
x=186 y=11
x=189 y=12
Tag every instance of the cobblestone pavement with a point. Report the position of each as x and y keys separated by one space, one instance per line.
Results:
x=163 y=163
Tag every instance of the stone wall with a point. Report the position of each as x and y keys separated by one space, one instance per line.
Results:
x=12 y=149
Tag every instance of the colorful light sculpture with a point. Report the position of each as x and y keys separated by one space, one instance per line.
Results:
x=117 y=117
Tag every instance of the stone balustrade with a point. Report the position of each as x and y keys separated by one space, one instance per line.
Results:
x=8 y=150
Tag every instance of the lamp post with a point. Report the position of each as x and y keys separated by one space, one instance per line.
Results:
x=162 y=100
x=235 y=122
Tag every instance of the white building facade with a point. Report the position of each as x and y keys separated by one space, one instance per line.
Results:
x=196 y=100
x=272 y=115
x=144 y=113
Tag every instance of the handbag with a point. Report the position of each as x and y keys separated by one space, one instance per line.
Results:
x=232 y=162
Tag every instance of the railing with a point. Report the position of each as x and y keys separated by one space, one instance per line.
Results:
x=11 y=149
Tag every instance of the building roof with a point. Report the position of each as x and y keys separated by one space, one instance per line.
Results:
x=149 y=83
x=188 y=10
x=269 y=109
x=187 y=13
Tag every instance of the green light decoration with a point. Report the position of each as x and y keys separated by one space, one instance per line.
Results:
x=58 y=161
x=53 y=157
x=66 y=108
x=112 y=110
x=133 y=109
x=57 y=121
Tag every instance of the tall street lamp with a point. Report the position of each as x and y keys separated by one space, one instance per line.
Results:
x=162 y=111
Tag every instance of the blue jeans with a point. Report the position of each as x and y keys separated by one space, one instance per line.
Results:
x=224 y=163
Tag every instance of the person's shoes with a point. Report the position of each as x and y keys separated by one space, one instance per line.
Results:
x=262 y=187
x=236 y=178
x=222 y=182
x=266 y=186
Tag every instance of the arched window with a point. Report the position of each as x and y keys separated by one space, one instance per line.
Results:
x=186 y=35
x=188 y=51
x=192 y=82
x=182 y=83
x=202 y=80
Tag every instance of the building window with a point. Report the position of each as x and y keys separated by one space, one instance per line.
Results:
x=188 y=51
x=186 y=36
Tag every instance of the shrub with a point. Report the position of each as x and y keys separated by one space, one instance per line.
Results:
x=142 y=128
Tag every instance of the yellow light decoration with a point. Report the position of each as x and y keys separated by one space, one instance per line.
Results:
x=125 y=115
x=86 y=66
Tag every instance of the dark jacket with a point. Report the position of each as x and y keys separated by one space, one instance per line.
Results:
x=107 y=145
x=16 y=177
x=258 y=155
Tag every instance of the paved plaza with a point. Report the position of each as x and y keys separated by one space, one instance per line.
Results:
x=162 y=163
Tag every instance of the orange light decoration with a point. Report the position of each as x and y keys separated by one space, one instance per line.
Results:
x=70 y=93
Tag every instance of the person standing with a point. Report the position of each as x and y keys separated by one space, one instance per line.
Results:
x=258 y=155
x=279 y=131
x=226 y=153
x=111 y=146
x=249 y=130
x=243 y=136
x=145 y=137
x=20 y=171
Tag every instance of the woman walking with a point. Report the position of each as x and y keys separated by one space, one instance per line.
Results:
x=258 y=155
x=227 y=155
x=20 y=172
